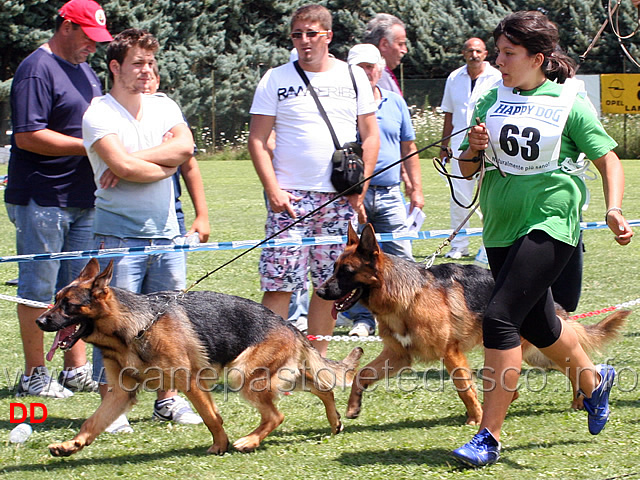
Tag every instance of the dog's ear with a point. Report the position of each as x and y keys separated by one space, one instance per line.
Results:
x=90 y=270
x=352 y=236
x=102 y=281
x=368 y=243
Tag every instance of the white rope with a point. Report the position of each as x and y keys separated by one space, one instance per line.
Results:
x=24 y=301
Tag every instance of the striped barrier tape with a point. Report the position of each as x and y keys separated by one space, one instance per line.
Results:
x=244 y=244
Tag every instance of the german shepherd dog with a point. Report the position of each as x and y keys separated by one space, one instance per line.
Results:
x=185 y=341
x=429 y=313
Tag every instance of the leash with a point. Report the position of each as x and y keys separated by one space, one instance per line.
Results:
x=331 y=200
x=440 y=166
x=615 y=28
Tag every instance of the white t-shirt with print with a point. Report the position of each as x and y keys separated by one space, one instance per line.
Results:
x=302 y=157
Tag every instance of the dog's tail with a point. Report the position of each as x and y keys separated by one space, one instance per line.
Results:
x=593 y=338
x=327 y=374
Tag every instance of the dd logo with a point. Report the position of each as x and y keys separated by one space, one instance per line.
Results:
x=32 y=412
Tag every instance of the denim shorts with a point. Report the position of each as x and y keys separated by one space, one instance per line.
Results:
x=144 y=273
x=49 y=230
x=140 y=274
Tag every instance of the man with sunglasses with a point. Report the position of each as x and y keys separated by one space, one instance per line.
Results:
x=297 y=179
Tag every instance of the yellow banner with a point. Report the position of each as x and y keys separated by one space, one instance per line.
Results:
x=620 y=92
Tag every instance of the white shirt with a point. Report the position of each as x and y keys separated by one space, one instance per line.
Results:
x=460 y=101
x=302 y=157
x=132 y=209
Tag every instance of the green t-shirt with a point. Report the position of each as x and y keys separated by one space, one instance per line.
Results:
x=550 y=201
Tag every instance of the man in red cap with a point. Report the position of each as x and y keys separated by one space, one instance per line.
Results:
x=50 y=190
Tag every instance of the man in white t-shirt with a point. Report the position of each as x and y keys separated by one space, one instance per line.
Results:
x=463 y=88
x=297 y=179
x=141 y=139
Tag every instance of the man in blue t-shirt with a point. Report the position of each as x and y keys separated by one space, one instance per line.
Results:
x=384 y=202
x=50 y=190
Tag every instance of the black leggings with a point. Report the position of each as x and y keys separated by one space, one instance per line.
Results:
x=522 y=303
x=568 y=286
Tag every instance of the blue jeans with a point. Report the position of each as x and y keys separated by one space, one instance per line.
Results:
x=387 y=213
x=49 y=230
x=140 y=274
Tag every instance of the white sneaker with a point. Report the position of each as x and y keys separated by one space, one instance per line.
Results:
x=457 y=253
x=300 y=323
x=79 y=379
x=481 y=258
x=120 y=425
x=176 y=409
x=40 y=384
x=361 y=330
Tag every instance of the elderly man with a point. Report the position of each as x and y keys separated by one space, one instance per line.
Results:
x=384 y=203
x=387 y=32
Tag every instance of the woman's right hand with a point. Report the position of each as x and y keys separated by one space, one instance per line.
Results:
x=479 y=137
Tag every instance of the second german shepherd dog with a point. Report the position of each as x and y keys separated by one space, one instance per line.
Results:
x=429 y=314
x=185 y=341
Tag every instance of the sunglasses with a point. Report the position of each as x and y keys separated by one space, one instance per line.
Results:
x=299 y=35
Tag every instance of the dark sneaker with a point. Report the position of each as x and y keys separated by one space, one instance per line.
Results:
x=40 y=384
x=483 y=449
x=598 y=405
x=80 y=380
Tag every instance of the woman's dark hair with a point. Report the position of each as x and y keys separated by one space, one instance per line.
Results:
x=535 y=32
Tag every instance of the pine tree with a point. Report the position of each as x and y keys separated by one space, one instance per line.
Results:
x=213 y=52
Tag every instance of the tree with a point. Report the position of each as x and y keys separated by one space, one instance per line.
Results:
x=213 y=52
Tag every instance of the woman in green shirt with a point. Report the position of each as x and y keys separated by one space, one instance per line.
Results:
x=537 y=128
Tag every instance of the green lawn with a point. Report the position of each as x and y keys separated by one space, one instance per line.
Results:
x=407 y=428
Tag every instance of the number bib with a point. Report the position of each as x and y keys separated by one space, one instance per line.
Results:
x=526 y=131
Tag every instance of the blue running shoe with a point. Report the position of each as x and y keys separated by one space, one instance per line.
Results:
x=483 y=449
x=598 y=405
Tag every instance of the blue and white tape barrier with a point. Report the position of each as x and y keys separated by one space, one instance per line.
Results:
x=244 y=244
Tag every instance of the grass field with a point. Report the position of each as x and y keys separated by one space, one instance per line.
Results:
x=407 y=428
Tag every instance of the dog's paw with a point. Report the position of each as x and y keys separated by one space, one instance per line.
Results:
x=216 y=449
x=353 y=412
x=65 y=449
x=578 y=403
x=338 y=428
x=246 y=444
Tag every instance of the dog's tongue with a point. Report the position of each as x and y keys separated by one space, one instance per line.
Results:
x=334 y=311
x=54 y=346
x=60 y=335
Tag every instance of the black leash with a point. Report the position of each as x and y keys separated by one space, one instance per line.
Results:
x=440 y=166
x=332 y=199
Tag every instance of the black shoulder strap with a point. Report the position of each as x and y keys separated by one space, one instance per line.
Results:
x=353 y=80
x=313 y=93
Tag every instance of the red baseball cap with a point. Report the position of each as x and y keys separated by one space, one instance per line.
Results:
x=90 y=16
